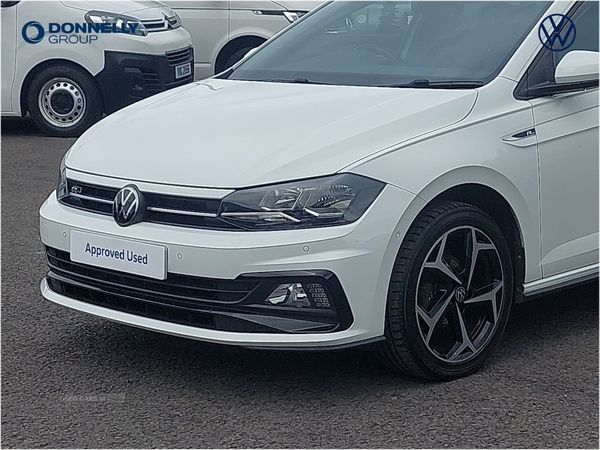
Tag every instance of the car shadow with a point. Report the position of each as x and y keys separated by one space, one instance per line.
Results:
x=19 y=126
x=185 y=362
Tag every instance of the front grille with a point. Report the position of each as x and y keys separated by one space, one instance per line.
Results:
x=168 y=313
x=175 y=57
x=176 y=290
x=167 y=23
x=160 y=208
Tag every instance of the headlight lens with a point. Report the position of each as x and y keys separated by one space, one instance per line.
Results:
x=292 y=16
x=174 y=21
x=61 y=183
x=320 y=202
x=121 y=23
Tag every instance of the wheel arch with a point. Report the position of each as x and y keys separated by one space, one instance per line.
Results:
x=499 y=197
x=233 y=46
x=26 y=84
x=498 y=208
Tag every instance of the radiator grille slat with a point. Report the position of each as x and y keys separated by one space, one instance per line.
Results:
x=176 y=57
x=164 y=209
x=180 y=290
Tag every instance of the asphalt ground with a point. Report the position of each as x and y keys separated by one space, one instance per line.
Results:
x=77 y=381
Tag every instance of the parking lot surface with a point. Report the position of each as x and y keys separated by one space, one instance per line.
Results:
x=73 y=380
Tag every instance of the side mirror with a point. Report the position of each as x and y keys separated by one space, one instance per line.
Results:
x=577 y=66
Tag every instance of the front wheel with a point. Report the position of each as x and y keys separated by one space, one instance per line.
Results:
x=450 y=294
x=64 y=101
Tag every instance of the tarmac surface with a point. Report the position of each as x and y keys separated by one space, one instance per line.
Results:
x=73 y=380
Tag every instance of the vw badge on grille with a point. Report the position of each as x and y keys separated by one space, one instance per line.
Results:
x=126 y=206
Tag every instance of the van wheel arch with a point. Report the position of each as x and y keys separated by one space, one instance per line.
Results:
x=92 y=91
x=234 y=46
x=39 y=68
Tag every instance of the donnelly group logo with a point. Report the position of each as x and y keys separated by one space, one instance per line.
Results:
x=34 y=32
x=38 y=28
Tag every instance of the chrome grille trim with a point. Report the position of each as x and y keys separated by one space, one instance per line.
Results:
x=166 y=209
x=92 y=199
x=180 y=211
x=164 y=24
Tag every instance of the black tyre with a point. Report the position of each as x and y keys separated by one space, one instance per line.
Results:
x=64 y=100
x=450 y=294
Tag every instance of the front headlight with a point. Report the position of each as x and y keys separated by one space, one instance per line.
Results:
x=119 y=23
x=61 y=183
x=292 y=16
x=174 y=21
x=320 y=202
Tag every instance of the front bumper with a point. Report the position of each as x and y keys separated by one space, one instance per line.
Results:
x=129 y=77
x=223 y=305
x=353 y=261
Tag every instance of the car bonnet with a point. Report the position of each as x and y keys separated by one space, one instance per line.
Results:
x=229 y=134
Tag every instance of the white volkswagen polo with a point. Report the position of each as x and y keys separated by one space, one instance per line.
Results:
x=387 y=173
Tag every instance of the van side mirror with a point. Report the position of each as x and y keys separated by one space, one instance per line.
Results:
x=577 y=66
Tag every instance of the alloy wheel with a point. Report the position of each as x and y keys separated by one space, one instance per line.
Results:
x=460 y=295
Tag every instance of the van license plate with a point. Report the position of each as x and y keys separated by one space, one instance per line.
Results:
x=183 y=70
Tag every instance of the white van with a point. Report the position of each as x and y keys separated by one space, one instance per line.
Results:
x=68 y=62
x=224 y=31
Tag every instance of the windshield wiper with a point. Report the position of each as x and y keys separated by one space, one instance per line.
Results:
x=450 y=84
x=298 y=80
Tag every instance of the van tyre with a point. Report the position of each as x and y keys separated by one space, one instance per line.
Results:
x=450 y=294
x=64 y=101
x=236 y=57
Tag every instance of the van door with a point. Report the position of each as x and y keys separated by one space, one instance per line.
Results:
x=9 y=50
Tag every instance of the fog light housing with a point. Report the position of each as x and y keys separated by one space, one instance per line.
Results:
x=308 y=295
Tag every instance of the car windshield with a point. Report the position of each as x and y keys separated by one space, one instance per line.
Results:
x=399 y=44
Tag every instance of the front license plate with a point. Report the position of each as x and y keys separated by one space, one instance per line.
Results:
x=123 y=255
x=183 y=70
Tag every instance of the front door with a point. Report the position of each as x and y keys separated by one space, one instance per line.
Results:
x=567 y=130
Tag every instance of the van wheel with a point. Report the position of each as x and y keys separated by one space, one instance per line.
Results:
x=64 y=101
x=450 y=294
